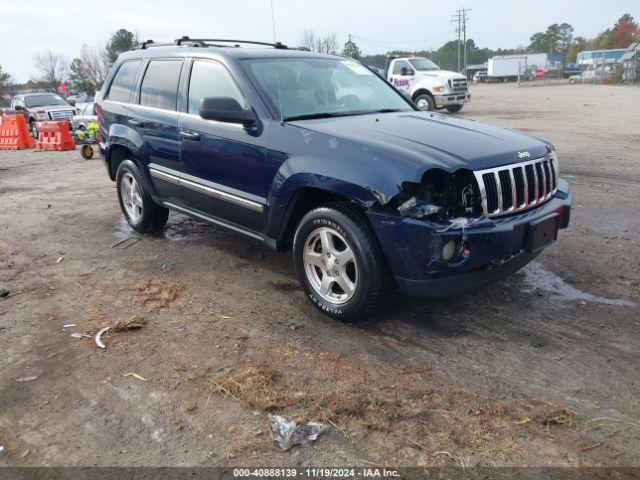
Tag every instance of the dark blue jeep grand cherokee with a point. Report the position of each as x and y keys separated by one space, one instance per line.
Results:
x=319 y=154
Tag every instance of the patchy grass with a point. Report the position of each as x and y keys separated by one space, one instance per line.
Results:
x=160 y=292
x=132 y=323
x=408 y=407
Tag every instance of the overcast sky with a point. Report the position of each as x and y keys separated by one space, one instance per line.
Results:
x=27 y=28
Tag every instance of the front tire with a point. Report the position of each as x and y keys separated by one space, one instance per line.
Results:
x=425 y=102
x=454 y=108
x=34 y=129
x=138 y=208
x=339 y=263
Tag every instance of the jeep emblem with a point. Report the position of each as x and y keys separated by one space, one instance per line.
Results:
x=524 y=155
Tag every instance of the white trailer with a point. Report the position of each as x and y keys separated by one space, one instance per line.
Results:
x=505 y=68
x=509 y=67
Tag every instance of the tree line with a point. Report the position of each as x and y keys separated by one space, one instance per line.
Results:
x=87 y=72
x=84 y=73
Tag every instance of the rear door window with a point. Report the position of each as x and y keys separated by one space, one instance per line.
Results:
x=160 y=84
x=120 y=89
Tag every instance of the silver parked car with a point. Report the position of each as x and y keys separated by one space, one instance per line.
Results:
x=86 y=116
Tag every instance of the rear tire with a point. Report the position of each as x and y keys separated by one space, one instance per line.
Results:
x=86 y=151
x=340 y=264
x=138 y=208
x=425 y=102
x=454 y=108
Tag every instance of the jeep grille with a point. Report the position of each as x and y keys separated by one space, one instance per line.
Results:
x=517 y=187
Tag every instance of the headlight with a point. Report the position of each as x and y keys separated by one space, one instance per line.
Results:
x=440 y=89
x=440 y=195
x=42 y=115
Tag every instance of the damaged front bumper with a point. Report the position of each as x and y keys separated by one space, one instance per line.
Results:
x=486 y=249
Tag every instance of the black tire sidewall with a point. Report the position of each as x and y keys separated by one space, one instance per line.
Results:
x=84 y=155
x=146 y=222
x=365 y=256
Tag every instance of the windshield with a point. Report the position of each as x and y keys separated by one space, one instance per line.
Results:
x=43 y=100
x=299 y=88
x=423 y=64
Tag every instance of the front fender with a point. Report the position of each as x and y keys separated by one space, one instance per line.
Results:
x=286 y=184
x=425 y=84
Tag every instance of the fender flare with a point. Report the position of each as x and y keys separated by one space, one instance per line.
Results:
x=285 y=190
x=125 y=137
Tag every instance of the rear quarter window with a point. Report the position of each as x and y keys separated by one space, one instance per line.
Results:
x=159 y=87
x=120 y=89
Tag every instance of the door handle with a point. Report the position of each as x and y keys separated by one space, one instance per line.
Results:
x=136 y=123
x=193 y=136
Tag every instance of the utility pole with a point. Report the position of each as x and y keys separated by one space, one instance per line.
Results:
x=457 y=18
x=464 y=32
x=461 y=19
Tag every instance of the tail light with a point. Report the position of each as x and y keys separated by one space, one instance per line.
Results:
x=99 y=115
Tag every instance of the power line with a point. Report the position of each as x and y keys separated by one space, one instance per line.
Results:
x=384 y=44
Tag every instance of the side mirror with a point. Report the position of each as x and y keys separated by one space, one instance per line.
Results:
x=404 y=71
x=18 y=108
x=71 y=102
x=226 y=109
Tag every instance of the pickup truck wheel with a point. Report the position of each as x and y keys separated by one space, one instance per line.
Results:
x=139 y=209
x=454 y=108
x=425 y=102
x=34 y=129
x=339 y=264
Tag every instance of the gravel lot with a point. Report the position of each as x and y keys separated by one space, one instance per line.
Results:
x=540 y=369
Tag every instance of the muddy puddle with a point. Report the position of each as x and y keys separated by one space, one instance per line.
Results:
x=538 y=278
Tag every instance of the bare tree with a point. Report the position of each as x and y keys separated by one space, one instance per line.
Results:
x=52 y=69
x=318 y=43
x=89 y=70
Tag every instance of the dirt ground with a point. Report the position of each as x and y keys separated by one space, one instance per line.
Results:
x=540 y=369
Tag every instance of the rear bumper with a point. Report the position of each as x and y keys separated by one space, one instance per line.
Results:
x=493 y=248
x=104 y=153
x=452 y=99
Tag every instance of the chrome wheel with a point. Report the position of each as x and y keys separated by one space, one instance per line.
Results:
x=131 y=197
x=330 y=265
x=423 y=105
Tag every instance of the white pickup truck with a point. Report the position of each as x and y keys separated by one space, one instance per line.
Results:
x=430 y=87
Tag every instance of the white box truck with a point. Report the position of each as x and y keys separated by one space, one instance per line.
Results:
x=507 y=68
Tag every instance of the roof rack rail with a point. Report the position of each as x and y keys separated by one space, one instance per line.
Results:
x=150 y=43
x=205 y=41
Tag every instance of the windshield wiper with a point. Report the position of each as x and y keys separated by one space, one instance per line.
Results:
x=310 y=116
x=388 y=110
x=341 y=114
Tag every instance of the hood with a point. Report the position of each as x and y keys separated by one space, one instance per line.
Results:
x=445 y=74
x=51 y=108
x=432 y=139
